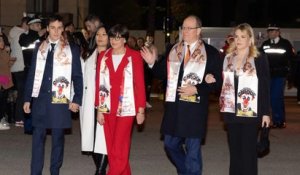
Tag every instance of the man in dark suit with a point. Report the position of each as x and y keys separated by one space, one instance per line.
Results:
x=186 y=107
x=52 y=58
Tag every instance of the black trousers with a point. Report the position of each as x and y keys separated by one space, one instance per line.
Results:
x=19 y=82
x=3 y=101
x=242 y=139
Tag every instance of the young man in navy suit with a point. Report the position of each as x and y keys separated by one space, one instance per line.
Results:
x=52 y=59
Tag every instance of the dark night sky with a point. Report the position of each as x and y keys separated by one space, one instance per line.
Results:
x=214 y=13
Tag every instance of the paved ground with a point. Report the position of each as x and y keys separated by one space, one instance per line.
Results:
x=147 y=154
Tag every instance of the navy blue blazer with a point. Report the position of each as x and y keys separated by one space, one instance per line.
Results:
x=186 y=119
x=44 y=113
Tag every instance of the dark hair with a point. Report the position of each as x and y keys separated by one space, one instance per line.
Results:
x=150 y=33
x=119 y=30
x=54 y=18
x=69 y=24
x=5 y=39
x=92 y=17
x=25 y=20
x=140 y=38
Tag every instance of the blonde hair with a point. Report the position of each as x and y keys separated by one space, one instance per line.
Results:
x=253 y=51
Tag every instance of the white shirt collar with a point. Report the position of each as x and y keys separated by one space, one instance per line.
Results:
x=192 y=46
x=276 y=40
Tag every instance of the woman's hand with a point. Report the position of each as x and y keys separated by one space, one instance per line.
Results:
x=100 y=118
x=140 y=116
x=209 y=78
x=265 y=121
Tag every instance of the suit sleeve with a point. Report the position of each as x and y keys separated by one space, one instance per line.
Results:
x=214 y=67
x=264 y=85
x=159 y=69
x=77 y=75
x=30 y=76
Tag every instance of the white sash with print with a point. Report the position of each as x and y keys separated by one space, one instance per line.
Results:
x=104 y=89
x=247 y=96
x=227 y=96
x=193 y=71
x=126 y=104
x=61 y=76
x=247 y=90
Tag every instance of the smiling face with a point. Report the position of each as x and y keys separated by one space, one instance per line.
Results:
x=117 y=42
x=190 y=30
x=101 y=37
x=55 y=30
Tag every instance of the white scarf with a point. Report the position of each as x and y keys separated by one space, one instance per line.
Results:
x=126 y=106
x=193 y=70
x=247 y=90
x=62 y=67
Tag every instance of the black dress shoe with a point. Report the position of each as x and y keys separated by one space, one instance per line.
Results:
x=282 y=125
x=274 y=126
x=279 y=125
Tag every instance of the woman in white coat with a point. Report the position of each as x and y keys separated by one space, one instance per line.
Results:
x=92 y=134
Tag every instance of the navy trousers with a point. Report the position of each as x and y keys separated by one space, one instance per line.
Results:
x=38 y=150
x=277 y=99
x=185 y=154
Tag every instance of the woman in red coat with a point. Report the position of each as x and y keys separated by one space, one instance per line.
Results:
x=120 y=96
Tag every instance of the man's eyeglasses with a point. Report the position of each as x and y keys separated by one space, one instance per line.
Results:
x=116 y=38
x=189 y=28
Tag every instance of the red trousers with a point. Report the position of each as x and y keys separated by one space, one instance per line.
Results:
x=118 y=139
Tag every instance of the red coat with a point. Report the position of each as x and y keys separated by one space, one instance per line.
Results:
x=116 y=78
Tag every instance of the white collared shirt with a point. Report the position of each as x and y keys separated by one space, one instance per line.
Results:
x=192 y=46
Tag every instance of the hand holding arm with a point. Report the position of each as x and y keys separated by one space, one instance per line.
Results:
x=209 y=78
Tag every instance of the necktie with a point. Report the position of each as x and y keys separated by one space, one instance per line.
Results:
x=52 y=47
x=187 y=54
x=273 y=41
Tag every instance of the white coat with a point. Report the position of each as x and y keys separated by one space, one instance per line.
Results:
x=87 y=110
